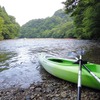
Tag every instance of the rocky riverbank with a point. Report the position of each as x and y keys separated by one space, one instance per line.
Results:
x=51 y=88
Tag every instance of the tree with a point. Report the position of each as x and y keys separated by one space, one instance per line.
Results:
x=91 y=21
x=86 y=15
x=1 y=27
x=70 y=5
x=9 y=28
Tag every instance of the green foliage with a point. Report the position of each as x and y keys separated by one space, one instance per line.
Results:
x=9 y=28
x=60 y=25
x=1 y=27
x=2 y=69
x=91 y=21
x=70 y=5
x=86 y=18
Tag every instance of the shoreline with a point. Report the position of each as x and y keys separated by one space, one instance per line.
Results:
x=51 y=88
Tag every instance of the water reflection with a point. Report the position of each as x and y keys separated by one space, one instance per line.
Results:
x=93 y=55
x=21 y=57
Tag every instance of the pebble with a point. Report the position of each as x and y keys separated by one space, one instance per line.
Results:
x=38 y=89
x=28 y=97
x=63 y=94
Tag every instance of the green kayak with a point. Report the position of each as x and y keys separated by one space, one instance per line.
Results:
x=66 y=69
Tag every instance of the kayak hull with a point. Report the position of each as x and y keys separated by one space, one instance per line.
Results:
x=67 y=70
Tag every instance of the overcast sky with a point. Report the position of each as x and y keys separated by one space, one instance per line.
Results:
x=25 y=10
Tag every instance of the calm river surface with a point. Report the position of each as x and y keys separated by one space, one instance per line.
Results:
x=20 y=56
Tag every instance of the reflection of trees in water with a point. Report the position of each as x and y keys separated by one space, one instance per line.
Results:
x=93 y=54
x=6 y=58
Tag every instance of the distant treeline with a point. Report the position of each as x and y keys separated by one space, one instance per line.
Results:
x=81 y=21
x=60 y=25
x=9 y=28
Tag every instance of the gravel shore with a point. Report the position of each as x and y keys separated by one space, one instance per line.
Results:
x=51 y=88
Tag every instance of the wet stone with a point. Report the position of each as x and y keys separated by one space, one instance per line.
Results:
x=32 y=88
x=38 y=90
x=21 y=90
x=28 y=97
x=63 y=94
x=55 y=98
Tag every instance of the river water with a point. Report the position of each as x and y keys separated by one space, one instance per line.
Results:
x=20 y=56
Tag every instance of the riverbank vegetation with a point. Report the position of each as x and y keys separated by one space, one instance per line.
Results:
x=9 y=28
x=86 y=16
x=80 y=19
x=60 y=25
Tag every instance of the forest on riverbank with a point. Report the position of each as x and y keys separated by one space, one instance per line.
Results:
x=86 y=14
x=60 y=25
x=9 y=28
x=80 y=19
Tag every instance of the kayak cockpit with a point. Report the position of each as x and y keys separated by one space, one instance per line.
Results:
x=62 y=61
x=92 y=67
x=56 y=60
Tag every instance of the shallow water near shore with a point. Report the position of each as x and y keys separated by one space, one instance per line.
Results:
x=20 y=58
